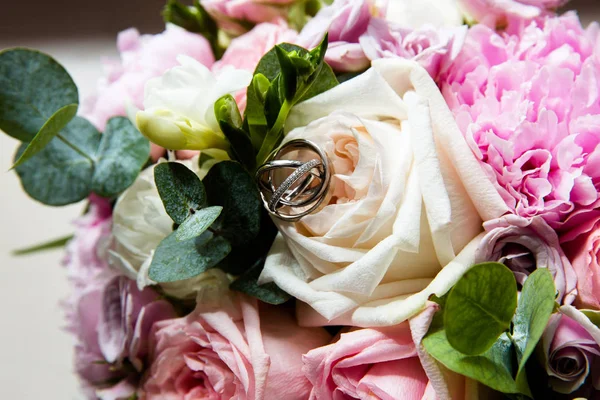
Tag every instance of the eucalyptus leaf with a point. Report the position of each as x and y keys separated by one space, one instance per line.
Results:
x=198 y=223
x=122 y=153
x=61 y=173
x=33 y=87
x=492 y=368
x=48 y=131
x=176 y=260
x=180 y=189
x=536 y=304
x=480 y=307
x=51 y=245
x=269 y=293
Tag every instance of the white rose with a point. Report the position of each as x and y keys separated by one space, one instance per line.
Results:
x=413 y=14
x=140 y=223
x=408 y=203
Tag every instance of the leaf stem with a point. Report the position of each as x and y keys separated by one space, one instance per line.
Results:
x=74 y=147
x=273 y=135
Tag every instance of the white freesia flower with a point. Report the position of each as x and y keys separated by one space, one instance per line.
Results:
x=408 y=204
x=414 y=14
x=179 y=105
x=140 y=223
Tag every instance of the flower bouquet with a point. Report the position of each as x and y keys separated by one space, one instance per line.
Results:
x=348 y=199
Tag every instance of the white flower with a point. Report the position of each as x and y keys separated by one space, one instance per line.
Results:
x=179 y=106
x=140 y=223
x=408 y=203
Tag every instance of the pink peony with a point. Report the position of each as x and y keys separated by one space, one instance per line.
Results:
x=244 y=52
x=382 y=363
x=498 y=12
x=528 y=105
x=360 y=33
x=142 y=58
x=571 y=346
x=229 y=347
x=524 y=245
x=581 y=243
x=233 y=16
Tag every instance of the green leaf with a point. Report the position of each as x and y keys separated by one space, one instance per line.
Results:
x=324 y=81
x=536 y=304
x=48 y=131
x=230 y=121
x=289 y=74
x=176 y=260
x=33 y=87
x=269 y=293
x=51 y=245
x=480 y=307
x=62 y=172
x=228 y=185
x=198 y=223
x=180 y=189
x=121 y=156
x=492 y=368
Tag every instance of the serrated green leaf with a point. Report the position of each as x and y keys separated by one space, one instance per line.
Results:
x=33 y=87
x=269 y=293
x=480 y=307
x=180 y=189
x=228 y=185
x=122 y=153
x=51 y=245
x=198 y=223
x=492 y=368
x=61 y=173
x=536 y=304
x=49 y=130
x=176 y=260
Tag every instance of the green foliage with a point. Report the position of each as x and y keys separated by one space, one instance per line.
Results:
x=51 y=245
x=228 y=185
x=502 y=366
x=268 y=293
x=593 y=316
x=194 y=19
x=198 y=223
x=533 y=313
x=230 y=121
x=61 y=173
x=285 y=76
x=176 y=260
x=480 y=307
x=33 y=87
x=122 y=153
x=180 y=189
x=49 y=130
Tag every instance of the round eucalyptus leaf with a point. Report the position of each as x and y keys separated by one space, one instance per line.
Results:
x=480 y=308
x=33 y=86
x=180 y=189
x=60 y=173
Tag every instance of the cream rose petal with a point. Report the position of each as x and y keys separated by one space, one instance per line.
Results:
x=435 y=196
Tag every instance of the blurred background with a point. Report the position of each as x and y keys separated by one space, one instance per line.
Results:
x=36 y=353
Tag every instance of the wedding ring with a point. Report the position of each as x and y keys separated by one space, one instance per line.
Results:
x=295 y=181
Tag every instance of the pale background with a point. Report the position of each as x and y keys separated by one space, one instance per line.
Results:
x=35 y=353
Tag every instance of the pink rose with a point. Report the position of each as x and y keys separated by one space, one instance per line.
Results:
x=231 y=14
x=230 y=347
x=495 y=12
x=571 y=346
x=528 y=105
x=244 y=52
x=142 y=58
x=524 y=245
x=582 y=245
x=383 y=363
